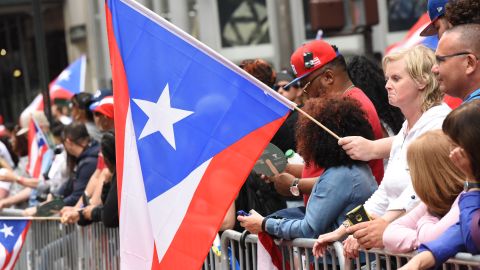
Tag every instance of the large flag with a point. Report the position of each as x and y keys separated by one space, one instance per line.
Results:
x=413 y=37
x=12 y=237
x=37 y=147
x=189 y=127
x=69 y=82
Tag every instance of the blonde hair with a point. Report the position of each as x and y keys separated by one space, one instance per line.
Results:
x=419 y=61
x=436 y=180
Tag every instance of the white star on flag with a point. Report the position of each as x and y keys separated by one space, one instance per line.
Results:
x=161 y=116
x=7 y=230
x=64 y=76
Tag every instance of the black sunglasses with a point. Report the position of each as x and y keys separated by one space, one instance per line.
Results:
x=276 y=87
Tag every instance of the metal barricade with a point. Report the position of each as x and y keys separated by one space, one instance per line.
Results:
x=381 y=259
x=52 y=245
x=296 y=253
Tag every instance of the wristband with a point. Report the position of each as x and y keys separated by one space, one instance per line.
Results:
x=264 y=223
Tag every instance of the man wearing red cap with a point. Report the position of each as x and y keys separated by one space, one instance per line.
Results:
x=322 y=71
x=103 y=114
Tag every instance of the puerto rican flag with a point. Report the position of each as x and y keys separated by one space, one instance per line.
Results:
x=37 y=146
x=69 y=82
x=413 y=37
x=189 y=127
x=12 y=237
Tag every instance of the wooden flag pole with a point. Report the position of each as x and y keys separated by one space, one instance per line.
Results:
x=318 y=123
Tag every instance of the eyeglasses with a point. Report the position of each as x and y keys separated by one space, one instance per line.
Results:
x=285 y=87
x=442 y=58
x=306 y=85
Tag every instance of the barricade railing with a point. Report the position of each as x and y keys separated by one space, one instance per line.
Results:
x=299 y=250
x=52 y=245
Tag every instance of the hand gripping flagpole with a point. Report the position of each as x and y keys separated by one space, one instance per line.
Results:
x=318 y=123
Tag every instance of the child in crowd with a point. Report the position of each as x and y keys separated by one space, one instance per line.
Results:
x=462 y=126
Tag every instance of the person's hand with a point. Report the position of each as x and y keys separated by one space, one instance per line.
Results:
x=3 y=204
x=70 y=217
x=28 y=212
x=369 y=234
x=87 y=211
x=350 y=247
x=422 y=260
x=320 y=246
x=251 y=223
x=7 y=175
x=357 y=147
x=67 y=209
x=282 y=183
x=460 y=159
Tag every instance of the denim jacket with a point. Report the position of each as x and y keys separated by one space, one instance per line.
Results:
x=337 y=191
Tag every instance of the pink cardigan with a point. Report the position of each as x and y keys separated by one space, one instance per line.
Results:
x=417 y=226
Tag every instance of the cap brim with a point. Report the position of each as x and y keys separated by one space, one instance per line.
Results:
x=430 y=30
x=296 y=80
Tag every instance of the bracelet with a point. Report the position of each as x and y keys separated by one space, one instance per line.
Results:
x=264 y=223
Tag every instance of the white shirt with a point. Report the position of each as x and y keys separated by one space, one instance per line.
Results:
x=396 y=190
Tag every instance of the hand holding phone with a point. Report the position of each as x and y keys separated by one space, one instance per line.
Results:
x=242 y=213
x=357 y=215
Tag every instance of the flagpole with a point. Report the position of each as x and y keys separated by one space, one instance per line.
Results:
x=31 y=218
x=318 y=123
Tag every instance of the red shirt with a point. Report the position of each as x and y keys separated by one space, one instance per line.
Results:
x=100 y=162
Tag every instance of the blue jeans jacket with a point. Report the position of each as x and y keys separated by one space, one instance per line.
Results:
x=337 y=191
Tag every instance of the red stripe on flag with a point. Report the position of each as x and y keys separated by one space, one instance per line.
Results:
x=121 y=97
x=215 y=193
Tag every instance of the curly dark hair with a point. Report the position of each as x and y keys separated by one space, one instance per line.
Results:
x=343 y=116
x=462 y=12
x=368 y=76
x=260 y=69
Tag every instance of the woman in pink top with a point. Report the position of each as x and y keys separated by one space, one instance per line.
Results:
x=437 y=182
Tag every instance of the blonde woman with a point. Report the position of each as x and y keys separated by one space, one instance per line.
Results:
x=412 y=87
x=437 y=182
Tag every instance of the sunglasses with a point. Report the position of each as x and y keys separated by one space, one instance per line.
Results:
x=277 y=87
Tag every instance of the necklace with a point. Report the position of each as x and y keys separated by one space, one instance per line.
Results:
x=348 y=88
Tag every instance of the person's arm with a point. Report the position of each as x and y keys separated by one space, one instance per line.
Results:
x=442 y=252
x=326 y=202
x=21 y=196
x=104 y=177
x=83 y=175
x=109 y=212
x=401 y=235
x=229 y=219
x=429 y=229
x=295 y=169
x=283 y=182
x=422 y=260
x=359 y=148
x=91 y=185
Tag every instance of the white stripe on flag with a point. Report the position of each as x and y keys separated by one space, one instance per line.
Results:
x=167 y=220
x=136 y=238
x=15 y=251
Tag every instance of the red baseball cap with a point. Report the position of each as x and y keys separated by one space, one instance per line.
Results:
x=310 y=57
x=105 y=107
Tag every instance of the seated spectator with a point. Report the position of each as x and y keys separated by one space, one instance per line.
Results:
x=107 y=212
x=437 y=182
x=82 y=153
x=413 y=88
x=462 y=126
x=345 y=183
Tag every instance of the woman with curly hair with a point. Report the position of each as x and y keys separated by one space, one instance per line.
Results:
x=345 y=184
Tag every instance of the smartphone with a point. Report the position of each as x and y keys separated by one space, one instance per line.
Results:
x=242 y=213
x=357 y=215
